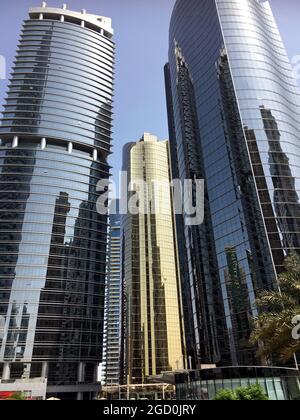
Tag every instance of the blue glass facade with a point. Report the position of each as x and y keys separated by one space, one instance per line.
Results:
x=55 y=140
x=235 y=122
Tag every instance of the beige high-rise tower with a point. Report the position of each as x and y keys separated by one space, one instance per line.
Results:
x=154 y=336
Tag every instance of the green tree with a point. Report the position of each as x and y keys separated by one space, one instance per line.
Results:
x=249 y=393
x=225 y=395
x=273 y=327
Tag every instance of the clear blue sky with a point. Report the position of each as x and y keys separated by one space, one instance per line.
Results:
x=141 y=35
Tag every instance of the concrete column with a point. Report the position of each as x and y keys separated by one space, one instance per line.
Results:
x=83 y=22
x=44 y=5
x=79 y=396
x=95 y=154
x=6 y=372
x=81 y=372
x=45 y=370
x=62 y=18
x=81 y=378
x=15 y=142
x=43 y=143
x=70 y=147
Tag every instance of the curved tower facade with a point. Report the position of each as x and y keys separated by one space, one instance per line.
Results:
x=154 y=331
x=55 y=140
x=234 y=113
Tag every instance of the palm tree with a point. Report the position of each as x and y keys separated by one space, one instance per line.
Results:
x=273 y=327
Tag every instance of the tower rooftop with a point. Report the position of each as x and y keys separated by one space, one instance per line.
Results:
x=90 y=20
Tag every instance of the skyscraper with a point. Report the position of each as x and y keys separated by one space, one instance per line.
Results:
x=234 y=111
x=55 y=140
x=154 y=333
x=112 y=327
